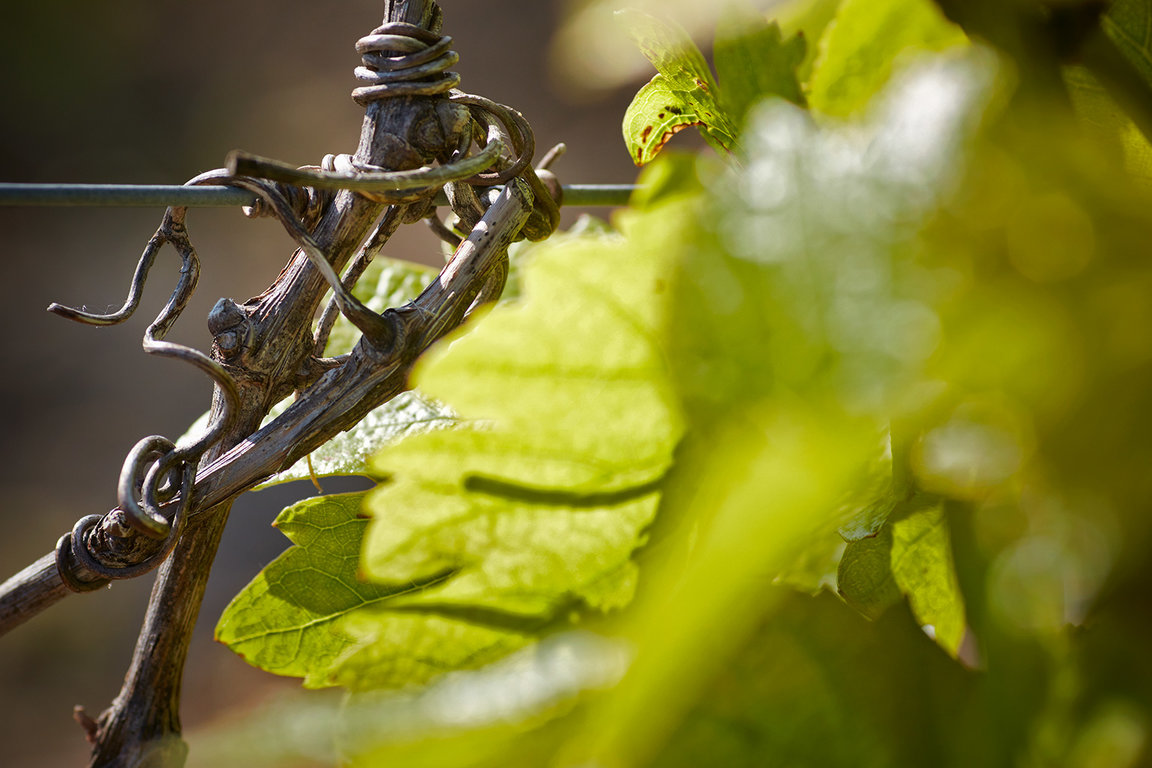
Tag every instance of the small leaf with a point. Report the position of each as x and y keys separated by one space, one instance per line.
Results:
x=668 y=47
x=922 y=566
x=864 y=577
x=912 y=556
x=682 y=94
x=656 y=114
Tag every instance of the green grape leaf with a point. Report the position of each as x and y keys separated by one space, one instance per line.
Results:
x=754 y=61
x=682 y=94
x=539 y=505
x=1129 y=24
x=487 y=533
x=910 y=556
x=304 y=614
x=860 y=47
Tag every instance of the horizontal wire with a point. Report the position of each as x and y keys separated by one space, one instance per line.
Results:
x=162 y=195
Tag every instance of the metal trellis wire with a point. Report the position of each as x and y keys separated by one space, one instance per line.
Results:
x=161 y=195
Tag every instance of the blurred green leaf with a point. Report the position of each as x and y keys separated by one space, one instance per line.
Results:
x=758 y=494
x=838 y=308
x=521 y=252
x=813 y=686
x=683 y=93
x=754 y=61
x=1097 y=108
x=862 y=45
x=807 y=19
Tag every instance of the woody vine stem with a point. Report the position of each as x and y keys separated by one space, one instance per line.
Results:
x=420 y=138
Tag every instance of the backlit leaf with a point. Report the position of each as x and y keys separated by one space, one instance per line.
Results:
x=683 y=93
x=487 y=533
x=538 y=507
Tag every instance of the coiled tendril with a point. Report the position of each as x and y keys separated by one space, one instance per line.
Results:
x=404 y=60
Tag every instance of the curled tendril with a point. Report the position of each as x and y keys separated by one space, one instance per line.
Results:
x=138 y=489
x=171 y=232
x=404 y=60
x=156 y=470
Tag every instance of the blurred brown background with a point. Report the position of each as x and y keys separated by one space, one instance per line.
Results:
x=149 y=91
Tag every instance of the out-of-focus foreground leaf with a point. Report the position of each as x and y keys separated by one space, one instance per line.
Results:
x=1129 y=24
x=864 y=41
